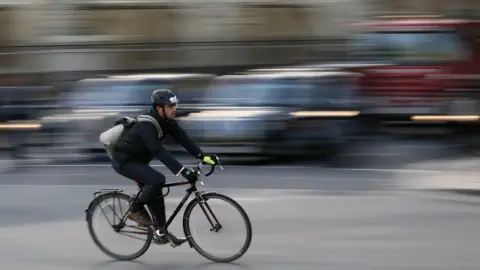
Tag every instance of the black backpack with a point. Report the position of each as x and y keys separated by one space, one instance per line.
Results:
x=110 y=137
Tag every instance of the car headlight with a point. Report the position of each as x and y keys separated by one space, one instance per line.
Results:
x=226 y=114
x=15 y=125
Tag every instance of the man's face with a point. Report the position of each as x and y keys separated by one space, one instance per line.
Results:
x=170 y=111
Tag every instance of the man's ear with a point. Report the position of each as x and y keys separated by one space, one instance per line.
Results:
x=159 y=109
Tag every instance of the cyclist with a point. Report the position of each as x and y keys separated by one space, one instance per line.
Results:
x=136 y=148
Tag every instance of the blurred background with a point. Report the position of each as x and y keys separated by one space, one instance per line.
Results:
x=271 y=79
x=335 y=106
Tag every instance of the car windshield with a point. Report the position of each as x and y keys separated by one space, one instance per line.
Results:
x=131 y=93
x=253 y=93
x=111 y=94
x=408 y=47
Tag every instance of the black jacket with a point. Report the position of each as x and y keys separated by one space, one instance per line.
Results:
x=140 y=143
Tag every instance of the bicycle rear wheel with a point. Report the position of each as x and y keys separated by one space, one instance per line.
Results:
x=119 y=204
x=216 y=221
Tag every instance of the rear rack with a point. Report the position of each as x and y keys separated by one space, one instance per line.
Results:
x=107 y=190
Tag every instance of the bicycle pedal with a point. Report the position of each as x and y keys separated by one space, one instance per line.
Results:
x=174 y=242
x=160 y=242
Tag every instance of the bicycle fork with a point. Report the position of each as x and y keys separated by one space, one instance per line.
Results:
x=208 y=212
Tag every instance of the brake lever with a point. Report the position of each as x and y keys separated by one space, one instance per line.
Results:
x=219 y=164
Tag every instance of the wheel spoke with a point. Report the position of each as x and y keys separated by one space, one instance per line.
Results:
x=114 y=213
x=120 y=206
x=115 y=250
x=105 y=215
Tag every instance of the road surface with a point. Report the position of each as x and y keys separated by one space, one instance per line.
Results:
x=303 y=217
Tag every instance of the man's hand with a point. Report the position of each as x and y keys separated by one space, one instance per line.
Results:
x=210 y=159
x=190 y=175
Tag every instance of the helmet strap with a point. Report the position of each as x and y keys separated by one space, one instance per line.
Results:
x=163 y=110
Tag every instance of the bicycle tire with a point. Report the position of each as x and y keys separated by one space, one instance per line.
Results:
x=94 y=204
x=194 y=244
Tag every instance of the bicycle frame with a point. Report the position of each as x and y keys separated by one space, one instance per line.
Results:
x=192 y=189
x=153 y=232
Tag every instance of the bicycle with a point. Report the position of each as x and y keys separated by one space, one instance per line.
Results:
x=201 y=198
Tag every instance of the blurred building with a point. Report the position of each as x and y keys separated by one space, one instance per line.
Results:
x=69 y=36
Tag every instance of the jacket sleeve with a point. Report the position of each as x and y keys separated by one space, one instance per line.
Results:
x=183 y=139
x=153 y=143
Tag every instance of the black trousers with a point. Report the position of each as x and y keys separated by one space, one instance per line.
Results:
x=152 y=182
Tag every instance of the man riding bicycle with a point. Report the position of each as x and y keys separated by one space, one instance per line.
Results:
x=136 y=148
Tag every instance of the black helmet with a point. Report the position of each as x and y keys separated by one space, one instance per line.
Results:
x=163 y=96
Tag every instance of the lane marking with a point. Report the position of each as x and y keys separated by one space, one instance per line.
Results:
x=391 y=170
x=387 y=170
x=162 y=166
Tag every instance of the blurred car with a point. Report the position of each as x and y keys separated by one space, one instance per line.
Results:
x=285 y=113
x=92 y=105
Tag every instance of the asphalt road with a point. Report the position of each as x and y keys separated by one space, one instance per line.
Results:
x=303 y=217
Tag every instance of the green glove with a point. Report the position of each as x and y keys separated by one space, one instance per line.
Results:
x=209 y=160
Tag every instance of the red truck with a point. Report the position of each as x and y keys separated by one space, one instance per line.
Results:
x=419 y=69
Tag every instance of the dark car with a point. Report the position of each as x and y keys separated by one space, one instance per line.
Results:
x=276 y=113
x=92 y=105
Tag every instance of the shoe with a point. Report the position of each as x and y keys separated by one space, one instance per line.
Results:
x=140 y=217
x=177 y=241
x=168 y=237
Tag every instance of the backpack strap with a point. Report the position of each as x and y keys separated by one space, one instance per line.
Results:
x=148 y=118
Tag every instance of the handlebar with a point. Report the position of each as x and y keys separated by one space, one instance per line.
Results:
x=199 y=167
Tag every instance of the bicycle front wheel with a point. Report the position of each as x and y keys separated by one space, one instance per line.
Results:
x=108 y=209
x=213 y=216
